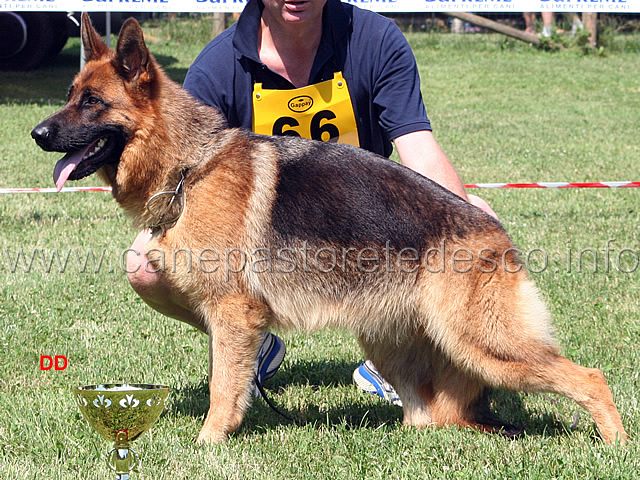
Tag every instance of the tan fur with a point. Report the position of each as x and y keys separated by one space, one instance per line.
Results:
x=441 y=337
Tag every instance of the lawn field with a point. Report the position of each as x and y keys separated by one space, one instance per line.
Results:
x=503 y=112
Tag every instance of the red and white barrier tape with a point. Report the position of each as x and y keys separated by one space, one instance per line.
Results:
x=556 y=185
x=473 y=185
x=54 y=190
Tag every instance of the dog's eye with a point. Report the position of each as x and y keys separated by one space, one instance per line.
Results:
x=93 y=101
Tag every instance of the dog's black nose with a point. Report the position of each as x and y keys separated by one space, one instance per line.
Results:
x=42 y=135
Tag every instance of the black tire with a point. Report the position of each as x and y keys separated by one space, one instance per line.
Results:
x=37 y=39
x=61 y=34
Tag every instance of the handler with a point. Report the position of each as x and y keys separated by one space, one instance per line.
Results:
x=317 y=69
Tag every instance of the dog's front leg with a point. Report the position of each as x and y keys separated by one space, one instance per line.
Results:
x=237 y=324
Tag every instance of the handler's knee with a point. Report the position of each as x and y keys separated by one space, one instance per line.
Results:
x=144 y=280
x=151 y=287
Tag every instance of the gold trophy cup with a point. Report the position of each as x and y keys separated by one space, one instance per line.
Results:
x=121 y=413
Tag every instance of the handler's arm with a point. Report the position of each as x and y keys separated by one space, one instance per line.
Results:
x=420 y=152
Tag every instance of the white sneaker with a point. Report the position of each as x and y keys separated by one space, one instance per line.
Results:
x=369 y=379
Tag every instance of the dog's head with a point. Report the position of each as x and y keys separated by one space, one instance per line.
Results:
x=105 y=105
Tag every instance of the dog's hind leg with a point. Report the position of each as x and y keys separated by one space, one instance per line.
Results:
x=432 y=389
x=586 y=386
x=499 y=334
x=236 y=325
x=457 y=398
x=406 y=367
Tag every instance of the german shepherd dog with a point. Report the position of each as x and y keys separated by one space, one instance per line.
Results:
x=304 y=234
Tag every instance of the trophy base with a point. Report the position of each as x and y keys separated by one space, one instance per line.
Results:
x=122 y=459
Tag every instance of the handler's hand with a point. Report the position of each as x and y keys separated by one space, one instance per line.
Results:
x=482 y=205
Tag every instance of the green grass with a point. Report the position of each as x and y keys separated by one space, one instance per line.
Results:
x=504 y=113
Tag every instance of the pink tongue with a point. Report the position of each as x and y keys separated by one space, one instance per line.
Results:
x=64 y=167
x=68 y=164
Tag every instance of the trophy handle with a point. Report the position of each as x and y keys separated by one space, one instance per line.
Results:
x=122 y=460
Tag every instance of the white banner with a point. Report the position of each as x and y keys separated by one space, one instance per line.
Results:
x=203 y=6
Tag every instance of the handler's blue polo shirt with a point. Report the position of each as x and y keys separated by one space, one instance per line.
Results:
x=371 y=52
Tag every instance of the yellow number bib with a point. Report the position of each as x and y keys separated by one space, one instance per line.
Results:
x=321 y=112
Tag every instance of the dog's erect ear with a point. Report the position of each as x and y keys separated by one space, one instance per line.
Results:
x=94 y=46
x=132 y=56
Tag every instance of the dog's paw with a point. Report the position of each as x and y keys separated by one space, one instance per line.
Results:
x=209 y=436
